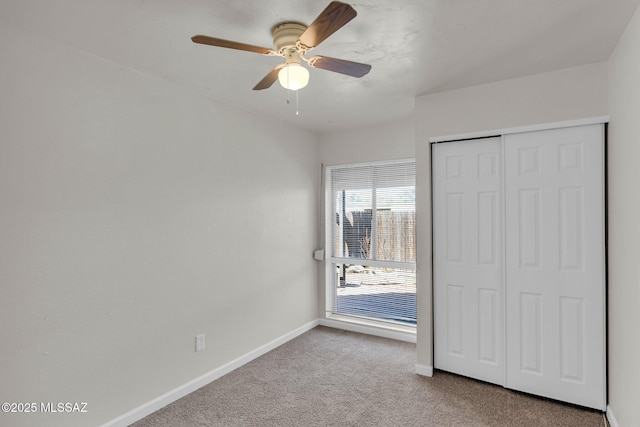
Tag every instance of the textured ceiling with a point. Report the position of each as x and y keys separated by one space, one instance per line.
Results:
x=414 y=46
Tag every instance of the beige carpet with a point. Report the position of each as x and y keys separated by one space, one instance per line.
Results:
x=328 y=377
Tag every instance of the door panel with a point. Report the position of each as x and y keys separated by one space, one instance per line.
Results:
x=530 y=333
x=468 y=258
x=554 y=202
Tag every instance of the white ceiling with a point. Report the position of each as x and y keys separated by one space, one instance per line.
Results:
x=414 y=46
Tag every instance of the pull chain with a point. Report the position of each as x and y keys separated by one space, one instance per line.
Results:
x=297 y=100
x=289 y=94
x=288 y=90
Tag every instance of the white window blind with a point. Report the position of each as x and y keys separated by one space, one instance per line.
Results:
x=371 y=227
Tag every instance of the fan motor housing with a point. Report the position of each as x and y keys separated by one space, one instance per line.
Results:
x=286 y=35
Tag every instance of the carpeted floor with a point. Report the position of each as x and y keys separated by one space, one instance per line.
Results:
x=328 y=377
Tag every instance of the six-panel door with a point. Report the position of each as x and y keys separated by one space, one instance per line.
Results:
x=468 y=255
x=554 y=195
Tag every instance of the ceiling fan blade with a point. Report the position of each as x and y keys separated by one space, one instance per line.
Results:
x=342 y=66
x=269 y=79
x=334 y=17
x=212 y=41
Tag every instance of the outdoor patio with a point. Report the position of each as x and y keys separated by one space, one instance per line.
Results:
x=387 y=294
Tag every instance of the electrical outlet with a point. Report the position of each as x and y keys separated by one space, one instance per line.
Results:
x=200 y=342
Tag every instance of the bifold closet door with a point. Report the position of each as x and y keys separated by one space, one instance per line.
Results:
x=554 y=284
x=468 y=259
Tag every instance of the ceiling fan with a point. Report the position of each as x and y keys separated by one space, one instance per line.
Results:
x=292 y=40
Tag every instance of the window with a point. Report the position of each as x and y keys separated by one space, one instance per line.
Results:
x=370 y=225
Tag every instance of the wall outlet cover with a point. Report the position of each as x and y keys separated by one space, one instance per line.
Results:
x=200 y=342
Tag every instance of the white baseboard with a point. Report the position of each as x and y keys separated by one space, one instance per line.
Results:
x=424 y=370
x=612 y=420
x=369 y=329
x=175 y=394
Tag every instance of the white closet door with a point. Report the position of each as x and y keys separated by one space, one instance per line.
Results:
x=555 y=264
x=468 y=259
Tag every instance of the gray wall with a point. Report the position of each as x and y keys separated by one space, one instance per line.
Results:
x=136 y=215
x=389 y=141
x=624 y=228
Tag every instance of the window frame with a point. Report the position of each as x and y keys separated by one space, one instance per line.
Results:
x=329 y=209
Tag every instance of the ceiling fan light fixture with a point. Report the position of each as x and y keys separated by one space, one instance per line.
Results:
x=293 y=76
x=292 y=40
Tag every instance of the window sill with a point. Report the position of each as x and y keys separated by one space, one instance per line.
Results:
x=371 y=327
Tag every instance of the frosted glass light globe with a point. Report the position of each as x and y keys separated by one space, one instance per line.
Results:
x=293 y=76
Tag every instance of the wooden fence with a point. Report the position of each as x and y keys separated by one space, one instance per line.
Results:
x=396 y=233
x=396 y=236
